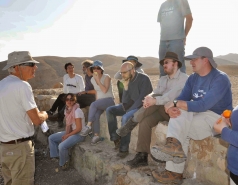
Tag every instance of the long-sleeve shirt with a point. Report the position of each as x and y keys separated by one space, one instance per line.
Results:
x=170 y=88
x=231 y=136
x=138 y=88
x=210 y=92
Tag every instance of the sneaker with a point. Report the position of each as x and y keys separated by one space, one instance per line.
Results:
x=65 y=166
x=171 y=151
x=117 y=143
x=127 y=128
x=95 y=140
x=168 y=177
x=86 y=130
x=140 y=159
x=122 y=154
x=49 y=113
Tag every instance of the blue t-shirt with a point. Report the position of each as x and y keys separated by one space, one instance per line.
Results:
x=231 y=136
x=210 y=92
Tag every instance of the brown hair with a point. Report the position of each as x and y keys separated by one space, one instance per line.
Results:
x=73 y=96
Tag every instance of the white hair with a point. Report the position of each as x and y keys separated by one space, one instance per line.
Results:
x=11 y=70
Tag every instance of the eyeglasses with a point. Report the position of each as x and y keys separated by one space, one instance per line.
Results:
x=69 y=99
x=98 y=68
x=30 y=64
x=126 y=71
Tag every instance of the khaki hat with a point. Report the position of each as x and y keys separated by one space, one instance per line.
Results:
x=202 y=52
x=18 y=57
x=171 y=55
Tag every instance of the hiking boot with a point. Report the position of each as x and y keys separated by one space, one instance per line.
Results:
x=60 y=124
x=140 y=159
x=117 y=143
x=171 y=151
x=122 y=154
x=168 y=177
x=127 y=128
x=95 y=140
x=50 y=113
x=54 y=117
x=86 y=130
x=65 y=166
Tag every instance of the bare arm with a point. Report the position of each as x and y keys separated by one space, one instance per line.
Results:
x=105 y=86
x=78 y=124
x=188 y=25
x=36 y=116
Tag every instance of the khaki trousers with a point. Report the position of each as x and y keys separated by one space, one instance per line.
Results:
x=148 y=118
x=18 y=163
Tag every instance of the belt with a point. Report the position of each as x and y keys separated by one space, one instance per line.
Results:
x=18 y=140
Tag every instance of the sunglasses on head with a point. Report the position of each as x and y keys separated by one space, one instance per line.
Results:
x=30 y=64
x=69 y=99
x=98 y=68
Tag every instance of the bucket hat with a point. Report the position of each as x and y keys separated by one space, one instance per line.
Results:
x=202 y=52
x=97 y=63
x=18 y=57
x=171 y=55
x=131 y=57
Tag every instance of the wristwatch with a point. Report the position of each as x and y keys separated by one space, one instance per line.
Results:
x=175 y=103
x=86 y=92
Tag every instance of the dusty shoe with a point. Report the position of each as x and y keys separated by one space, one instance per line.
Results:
x=122 y=154
x=49 y=113
x=65 y=166
x=168 y=177
x=140 y=159
x=86 y=130
x=95 y=140
x=171 y=151
x=127 y=128
x=117 y=143
x=54 y=117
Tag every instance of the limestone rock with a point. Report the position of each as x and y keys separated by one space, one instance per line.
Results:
x=57 y=85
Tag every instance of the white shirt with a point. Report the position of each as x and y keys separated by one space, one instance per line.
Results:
x=16 y=98
x=79 y=114
x=73 y=85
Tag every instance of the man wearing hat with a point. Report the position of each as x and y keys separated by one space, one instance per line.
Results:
x=206 y=94
x=152 y=112
x=134 y=60
x=18 y=115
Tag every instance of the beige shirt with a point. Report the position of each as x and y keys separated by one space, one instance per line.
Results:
x=170 y=88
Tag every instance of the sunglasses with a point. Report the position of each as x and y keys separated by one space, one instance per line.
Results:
x=69 y=99
x=30 y=64
x=98 y=68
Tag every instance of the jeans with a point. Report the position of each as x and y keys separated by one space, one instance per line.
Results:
x=111 y=113
x=176 y=46
x=61 y=149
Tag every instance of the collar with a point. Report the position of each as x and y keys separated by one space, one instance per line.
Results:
x=175 y=76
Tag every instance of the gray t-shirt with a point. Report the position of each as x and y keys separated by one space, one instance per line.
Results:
x=171 y=17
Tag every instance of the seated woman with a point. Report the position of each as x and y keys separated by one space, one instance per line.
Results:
x=61 y=142
x=230 y=135
x=104 y=98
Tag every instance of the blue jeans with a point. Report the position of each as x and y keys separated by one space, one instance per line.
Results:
x=61 y=149
x=176 y=46
x=112 y=112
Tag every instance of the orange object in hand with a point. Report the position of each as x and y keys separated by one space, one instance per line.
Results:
x=226 y=114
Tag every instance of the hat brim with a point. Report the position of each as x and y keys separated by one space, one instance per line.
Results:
x=211 y=60
x=10 y=65
x=179 y=63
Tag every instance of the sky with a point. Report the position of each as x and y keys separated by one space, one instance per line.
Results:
x=85 y=28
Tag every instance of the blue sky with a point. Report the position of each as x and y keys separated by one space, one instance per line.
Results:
x=85 y=28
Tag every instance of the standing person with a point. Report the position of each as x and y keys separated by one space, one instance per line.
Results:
x=60 y=142
x=18 y=115
x=134 y=60
x=136 y=87
x=206 y=94
x=173 y=32
x=72 y=83
x=230 y=135
x=104 y=98
x=85 y=98
x=152 y=112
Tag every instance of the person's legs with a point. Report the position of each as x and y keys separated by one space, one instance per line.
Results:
x=177 y=46
x=59 y=102
x=112 y=112
x=85 y=100
x=18 y=163
x=162 y=52
x=65 y=145
x=54 y=141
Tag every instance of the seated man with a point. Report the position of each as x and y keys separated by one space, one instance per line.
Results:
x=136 y=87
x=72 y=83
x=148 y=116
x=137 y=65
x=206 y=94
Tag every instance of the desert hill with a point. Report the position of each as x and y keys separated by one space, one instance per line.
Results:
x=51 y=68
x=231 y=57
